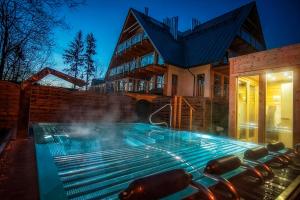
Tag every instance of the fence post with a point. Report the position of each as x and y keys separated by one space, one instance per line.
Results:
x=191 y=118
x=179 y=112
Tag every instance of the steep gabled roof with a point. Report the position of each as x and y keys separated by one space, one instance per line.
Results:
x=158 y=33
x=206 y=44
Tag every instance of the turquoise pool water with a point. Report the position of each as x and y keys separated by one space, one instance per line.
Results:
x=97 y=161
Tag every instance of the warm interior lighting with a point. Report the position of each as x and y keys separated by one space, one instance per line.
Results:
x=279 y=107
x=247 y=99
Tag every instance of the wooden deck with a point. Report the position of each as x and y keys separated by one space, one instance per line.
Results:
x=18 y=174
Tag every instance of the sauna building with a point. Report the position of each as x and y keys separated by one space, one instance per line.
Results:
x=264 y=104
x=153 y=57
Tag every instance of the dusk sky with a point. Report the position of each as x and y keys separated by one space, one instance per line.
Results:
x=280 y=20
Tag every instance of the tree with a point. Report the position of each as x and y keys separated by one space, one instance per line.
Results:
x=89 y=61
x=74 y=57
x=26 y=34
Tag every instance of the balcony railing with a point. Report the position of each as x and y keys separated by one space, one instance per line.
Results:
x=135 y=86
x=143 y=61
x=131 y=42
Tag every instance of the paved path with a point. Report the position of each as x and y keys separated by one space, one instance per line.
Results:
x=18 y=175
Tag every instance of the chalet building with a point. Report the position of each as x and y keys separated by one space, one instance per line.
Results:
x=153 y=57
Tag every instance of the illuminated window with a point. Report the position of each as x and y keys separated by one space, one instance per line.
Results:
x=247 y=108
x=279 y=107
x=200 y=85
x=160 y=81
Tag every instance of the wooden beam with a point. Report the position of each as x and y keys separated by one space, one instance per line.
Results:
x=296 y=105
x=262 y=108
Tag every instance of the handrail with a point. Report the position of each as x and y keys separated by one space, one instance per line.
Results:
x=188 y=104
x=191 y=112
x=159 y=123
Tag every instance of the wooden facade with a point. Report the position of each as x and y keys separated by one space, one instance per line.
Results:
x=260 y=65
x=10 y=103
x=22 y=104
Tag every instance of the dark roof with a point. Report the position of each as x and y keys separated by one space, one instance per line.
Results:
x=207 y=43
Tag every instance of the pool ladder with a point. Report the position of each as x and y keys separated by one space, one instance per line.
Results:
x=162 y=123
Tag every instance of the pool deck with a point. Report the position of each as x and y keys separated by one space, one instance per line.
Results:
x=18 y=174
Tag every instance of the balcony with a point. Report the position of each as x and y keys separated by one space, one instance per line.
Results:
x=135 y=46
x=138 y=38
x=143 y=67
x=153 y=86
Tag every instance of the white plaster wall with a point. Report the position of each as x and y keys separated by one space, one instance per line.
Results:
x=186 y=80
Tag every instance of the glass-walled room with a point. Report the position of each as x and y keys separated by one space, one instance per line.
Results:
x=279 y=107
x=247 y=108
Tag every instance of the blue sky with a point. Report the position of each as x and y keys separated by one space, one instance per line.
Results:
x=280 y=21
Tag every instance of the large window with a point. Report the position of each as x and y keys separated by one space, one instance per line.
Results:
x=279 y=108
x=200 y=85
x=131 y=85
x=141 y=86
x=247 y=107
x=160 y=81
x=217 y=85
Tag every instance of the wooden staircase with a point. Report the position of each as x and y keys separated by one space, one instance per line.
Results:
x=188 y=113
x=191 y=113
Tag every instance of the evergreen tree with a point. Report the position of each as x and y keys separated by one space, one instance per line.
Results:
x=74 y=57
x=90 y=51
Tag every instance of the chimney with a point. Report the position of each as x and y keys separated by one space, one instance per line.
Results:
x=195 y=23
x=172 y=24
x=146 y=11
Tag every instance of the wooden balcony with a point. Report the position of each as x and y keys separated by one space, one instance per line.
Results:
x=142 y=72
x=137 y=50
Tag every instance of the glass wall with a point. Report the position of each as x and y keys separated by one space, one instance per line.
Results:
x=147 y=59
x=247 y=108
x=279 y=108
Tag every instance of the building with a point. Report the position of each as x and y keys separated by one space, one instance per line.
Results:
x=153 y=57
x=264 y=103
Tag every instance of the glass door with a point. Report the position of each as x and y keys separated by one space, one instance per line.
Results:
x=279 y=108
x=247 y=108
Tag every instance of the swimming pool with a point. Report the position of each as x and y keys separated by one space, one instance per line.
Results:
x=98 y=160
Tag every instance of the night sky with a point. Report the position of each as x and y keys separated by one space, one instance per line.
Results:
x=280 y=20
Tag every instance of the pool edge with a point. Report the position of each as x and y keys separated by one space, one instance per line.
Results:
x=50 y=185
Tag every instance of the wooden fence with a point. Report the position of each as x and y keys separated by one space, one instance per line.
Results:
x=9 y=104
x=206 y=116
x=20 y=107
x=50 y=104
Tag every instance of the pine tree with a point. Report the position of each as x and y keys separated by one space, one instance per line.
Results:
x=89 y=53
x=73 y=56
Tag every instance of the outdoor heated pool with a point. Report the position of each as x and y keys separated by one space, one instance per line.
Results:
x=97 y=161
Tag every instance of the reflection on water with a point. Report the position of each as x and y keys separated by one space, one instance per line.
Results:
x=67 y=139
x=99 y=160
